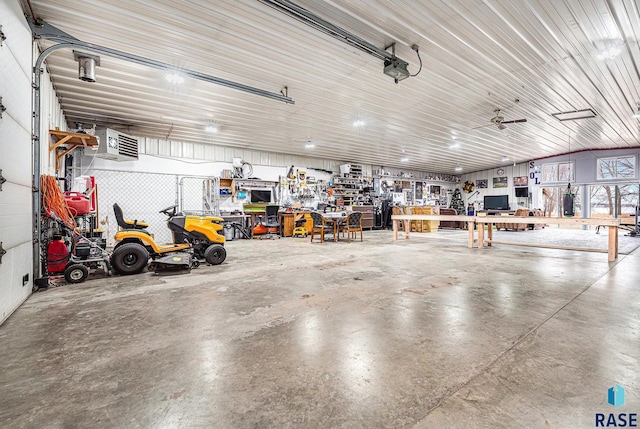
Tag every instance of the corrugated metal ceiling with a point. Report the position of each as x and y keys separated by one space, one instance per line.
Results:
x=478 y=56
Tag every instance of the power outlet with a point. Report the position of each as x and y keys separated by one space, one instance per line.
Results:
x=25 y=279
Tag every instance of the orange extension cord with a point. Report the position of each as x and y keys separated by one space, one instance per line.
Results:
x=53 y=201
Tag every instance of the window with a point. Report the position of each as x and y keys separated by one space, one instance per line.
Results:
x=552 y=200
x=607 y=200
x=557 y=172
x=616 y=168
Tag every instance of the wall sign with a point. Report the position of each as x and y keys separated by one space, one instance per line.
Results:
x=534 y=173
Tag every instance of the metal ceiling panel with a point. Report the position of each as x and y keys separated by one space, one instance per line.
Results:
x=530 y=58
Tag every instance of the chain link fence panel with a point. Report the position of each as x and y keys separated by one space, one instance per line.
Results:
x=200 y=195
x=142 y=195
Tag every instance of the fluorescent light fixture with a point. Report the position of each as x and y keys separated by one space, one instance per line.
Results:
x=505 y=158
x=174 y=78
x=405 y=159
x=184 y=120
x=309 y=145
x=458 y=168
x=576 y=114
x=358 y=123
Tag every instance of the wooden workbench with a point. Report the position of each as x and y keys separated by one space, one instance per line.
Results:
x=613 y=224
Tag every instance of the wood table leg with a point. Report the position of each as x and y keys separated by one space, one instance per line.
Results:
x=471 y=226
x=489 y=234
x=407 y=228
x=613 y=243
x=480 y=235
x=395 y=228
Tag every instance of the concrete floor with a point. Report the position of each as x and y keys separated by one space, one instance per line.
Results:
x=416 y=333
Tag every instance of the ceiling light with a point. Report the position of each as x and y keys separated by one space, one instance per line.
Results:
x=405 y=159
x=212 y=129
x=358 y=123
x=609 y=49
x=454 y=145
x=174 y=78
x=458 y=168
x=184 y=120
x=505 y=158
x=309 y=145
x=576 y=114
x=637 y=112
x=86 y=65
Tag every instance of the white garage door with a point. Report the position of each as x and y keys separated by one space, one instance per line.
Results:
x=15 y=159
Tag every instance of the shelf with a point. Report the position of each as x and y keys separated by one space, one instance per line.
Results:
x=414 y=179
x=70 y=141
x=255 y=183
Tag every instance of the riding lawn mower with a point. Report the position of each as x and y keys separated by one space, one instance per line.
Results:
x=194 y=238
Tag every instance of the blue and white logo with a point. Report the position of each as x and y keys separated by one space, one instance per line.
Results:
x=615 y=396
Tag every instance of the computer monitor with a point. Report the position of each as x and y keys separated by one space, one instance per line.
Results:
x=260 y=196
x=522 y=192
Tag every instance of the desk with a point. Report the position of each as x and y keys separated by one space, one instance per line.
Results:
x=288 y=219
x=253 y=213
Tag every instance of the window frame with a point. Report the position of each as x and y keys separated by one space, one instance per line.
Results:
x=556 y=168
x=615 y=160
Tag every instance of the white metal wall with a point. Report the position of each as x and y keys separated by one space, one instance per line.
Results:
x=15 y=159
x=16 y=162
x=509 y=172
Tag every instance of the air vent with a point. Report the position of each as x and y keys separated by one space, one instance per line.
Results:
x=117 y=146
x=128 y=146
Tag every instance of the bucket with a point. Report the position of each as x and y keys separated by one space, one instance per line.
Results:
x=229 y=232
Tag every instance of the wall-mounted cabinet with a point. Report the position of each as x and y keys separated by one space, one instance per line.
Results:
x=227 y=187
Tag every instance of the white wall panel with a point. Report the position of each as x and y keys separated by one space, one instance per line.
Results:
x=15 y=215
x=187 y=150
x=15 y=264
x=198 y=151
x=15 y=158
x=164 y=148
x=16 y=97
x=176 y=149
x=15 y=147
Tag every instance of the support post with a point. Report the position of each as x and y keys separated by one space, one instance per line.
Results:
x=613 y=243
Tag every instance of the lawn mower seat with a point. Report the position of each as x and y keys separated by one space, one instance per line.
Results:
x=126 y=223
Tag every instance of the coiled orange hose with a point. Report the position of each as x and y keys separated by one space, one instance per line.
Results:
x=53 y=201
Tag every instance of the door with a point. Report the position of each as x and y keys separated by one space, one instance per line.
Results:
x=16 y=276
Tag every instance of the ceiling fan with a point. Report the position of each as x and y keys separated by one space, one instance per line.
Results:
x=499 y=121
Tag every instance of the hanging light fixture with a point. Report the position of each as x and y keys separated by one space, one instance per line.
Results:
x=86 y=65
x=636 y=114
